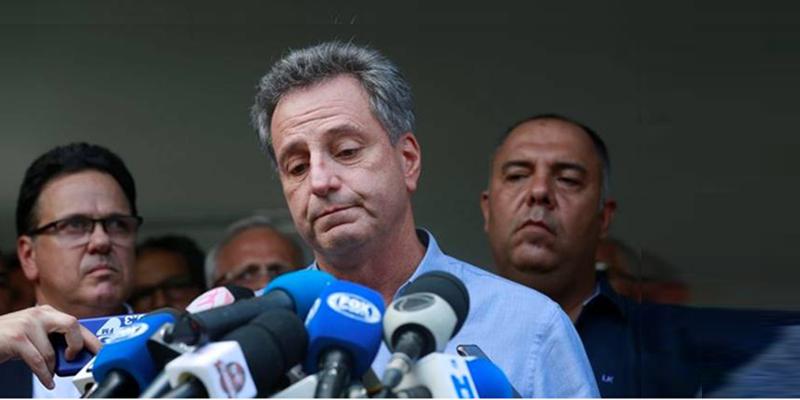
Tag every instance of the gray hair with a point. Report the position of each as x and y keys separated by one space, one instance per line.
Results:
x=233 y=230
x=388 y=91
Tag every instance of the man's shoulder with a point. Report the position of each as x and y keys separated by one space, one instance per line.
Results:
x=490 y=287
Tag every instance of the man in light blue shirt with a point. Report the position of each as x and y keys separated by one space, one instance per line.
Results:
x=337 y=120
x=535 y=344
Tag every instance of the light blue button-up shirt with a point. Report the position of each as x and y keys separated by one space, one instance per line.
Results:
x=521 y=330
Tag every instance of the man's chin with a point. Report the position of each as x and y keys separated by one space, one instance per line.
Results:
x=341 y=239
x=107 y=294
x=534 y=262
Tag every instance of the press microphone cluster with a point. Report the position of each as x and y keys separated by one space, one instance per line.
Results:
x=129 y=363
x=306 y=335
x=247 y=362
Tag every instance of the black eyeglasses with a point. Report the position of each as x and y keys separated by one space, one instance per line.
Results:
x=77 y=229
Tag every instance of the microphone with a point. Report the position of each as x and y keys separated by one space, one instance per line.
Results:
x=219 y=296
x=294 y=291
x=442 y=375
x=302 y=389
x=84 y=380
x=249 y=362
x=102 y=327
x=490 y=380
x=307 y=386
x=344 y=329
x=163 y=352
x=124 y=366
x=430 y=312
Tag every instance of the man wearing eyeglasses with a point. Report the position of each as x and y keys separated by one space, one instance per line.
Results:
x=251 y=253
x=76 y=224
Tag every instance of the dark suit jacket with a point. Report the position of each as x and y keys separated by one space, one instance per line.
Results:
x=656 y=350
x=16 y=379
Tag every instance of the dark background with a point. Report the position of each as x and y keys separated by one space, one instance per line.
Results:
x=697 y=101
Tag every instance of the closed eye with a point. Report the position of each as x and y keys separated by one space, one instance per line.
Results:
x=346 y=154
x=514 y=177
x=569 y=181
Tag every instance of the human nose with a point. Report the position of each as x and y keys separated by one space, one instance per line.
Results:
x=99 y=241
x=540 y=191
x=323 y=175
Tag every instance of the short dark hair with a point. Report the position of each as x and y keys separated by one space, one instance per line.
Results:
x=598 y=143
x=183 y=246
x=63 y=160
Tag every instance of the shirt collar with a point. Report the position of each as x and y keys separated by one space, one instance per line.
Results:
x=432 y=255
x=604 y=294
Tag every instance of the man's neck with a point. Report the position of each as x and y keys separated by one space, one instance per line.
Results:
x=383 y=265
x=82 y=311
x=561 y=285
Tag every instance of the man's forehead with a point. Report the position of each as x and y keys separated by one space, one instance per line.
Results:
x=68 y=193
x=560 y=139
x=321 y=113
x=299 y=103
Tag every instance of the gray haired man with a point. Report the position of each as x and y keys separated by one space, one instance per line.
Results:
x=251 y=253
x=337 y=119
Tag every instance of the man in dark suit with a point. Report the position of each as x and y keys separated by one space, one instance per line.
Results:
x=76 y=224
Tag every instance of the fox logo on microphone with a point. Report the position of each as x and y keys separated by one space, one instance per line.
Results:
x=354 y=306
x=231 y=377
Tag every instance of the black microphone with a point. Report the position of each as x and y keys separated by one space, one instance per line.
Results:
x=430 y=312
x=163 y=352
x=295 y=291
x=271 y=344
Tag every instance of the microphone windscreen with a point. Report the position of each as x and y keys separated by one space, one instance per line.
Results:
x=489 y=379
x=347 y=316
x=272 y=343
x=239 y=292
x=304 y=287
x=127 y=350
x=446 y=286
x=218 y=297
